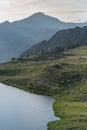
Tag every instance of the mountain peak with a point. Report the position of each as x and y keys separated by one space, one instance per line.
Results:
x=42 y=16
x=39 y=13
x=39 y=17
x=6 y=22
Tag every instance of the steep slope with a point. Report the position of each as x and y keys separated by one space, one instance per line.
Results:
x=16 y=37
x=68 y=38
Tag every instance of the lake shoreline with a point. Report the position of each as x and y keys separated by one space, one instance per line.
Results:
x=36 y=94
x=63 y=79
x=64 y=104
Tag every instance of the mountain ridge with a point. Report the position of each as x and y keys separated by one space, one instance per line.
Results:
x=67 y=38
x=18 y=36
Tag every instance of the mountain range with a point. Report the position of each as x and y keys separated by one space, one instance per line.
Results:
x=67 y=39
x=18 y=36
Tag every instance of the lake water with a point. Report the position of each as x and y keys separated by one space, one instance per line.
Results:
x=20 y=110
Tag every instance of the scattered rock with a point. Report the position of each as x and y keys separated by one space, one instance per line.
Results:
x=53 y=67
x=66 y=105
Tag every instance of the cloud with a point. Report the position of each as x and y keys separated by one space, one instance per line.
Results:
x=62 y=9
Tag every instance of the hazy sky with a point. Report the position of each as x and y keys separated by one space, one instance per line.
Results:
x=66 y=10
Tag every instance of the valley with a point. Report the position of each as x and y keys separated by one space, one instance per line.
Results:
x=18 y=36
x=43 y=65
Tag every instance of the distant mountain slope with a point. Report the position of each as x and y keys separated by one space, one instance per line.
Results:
x=16 y=37
x=68 y=38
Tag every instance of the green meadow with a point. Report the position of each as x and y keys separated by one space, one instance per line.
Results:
x=64 y=78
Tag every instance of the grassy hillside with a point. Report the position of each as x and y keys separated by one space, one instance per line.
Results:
x=64 y=78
